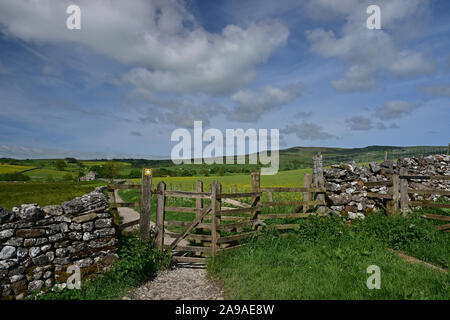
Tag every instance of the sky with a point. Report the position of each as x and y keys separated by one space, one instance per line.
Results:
x=138 y=70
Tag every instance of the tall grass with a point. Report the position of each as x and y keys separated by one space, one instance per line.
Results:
x=325 y=259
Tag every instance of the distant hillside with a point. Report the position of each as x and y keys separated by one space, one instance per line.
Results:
x=302 y=156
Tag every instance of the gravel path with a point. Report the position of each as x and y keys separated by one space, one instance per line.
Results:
x=182 y=282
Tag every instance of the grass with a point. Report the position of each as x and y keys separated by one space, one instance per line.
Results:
x=44 y=174
x=325 y=259
x=16 y=193
x=139 y=260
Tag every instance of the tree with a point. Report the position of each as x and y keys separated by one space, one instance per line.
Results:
x=60 y=164
x=110 y=169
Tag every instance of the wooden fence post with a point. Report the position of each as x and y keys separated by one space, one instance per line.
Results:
x=199 y=206
x=146 y=204
x=307 y=196
x=256 y=187
x=318 y=179
x=404 y=199
x=385 y=155
x=160 y=207
x=215 y=220
x=395 y=193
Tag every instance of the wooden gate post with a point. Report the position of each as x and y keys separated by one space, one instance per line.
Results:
x=146 y=203
x=395 y=193
x=199 y=206
x=404 y=199
x=318 y=179
x=307 y=196
x=215 y=218
x=160 y=207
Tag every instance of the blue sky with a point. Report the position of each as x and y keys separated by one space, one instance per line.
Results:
x=137 y=70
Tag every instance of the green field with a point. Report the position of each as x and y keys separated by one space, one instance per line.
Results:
x=7 y=168
x=16 y=193
x=325 y=259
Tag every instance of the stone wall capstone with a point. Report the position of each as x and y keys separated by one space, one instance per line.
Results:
x=347 y=194
x=37 y=245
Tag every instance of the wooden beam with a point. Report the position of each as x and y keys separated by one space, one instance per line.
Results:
x=437 y=217
x=160 y=209
x=188 y=194
x=191 y=226
x=146 y=204
x=236 y=203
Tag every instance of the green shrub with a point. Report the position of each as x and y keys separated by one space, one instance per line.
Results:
x=139 y=260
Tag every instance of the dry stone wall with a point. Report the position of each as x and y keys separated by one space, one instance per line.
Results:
x=37 y=245
x=347 y=193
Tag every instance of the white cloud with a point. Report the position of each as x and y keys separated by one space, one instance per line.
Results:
x=370 y=53
x=395 y=109
x=161 y=39
x=359 y=123
x=251 y=105
x=307 y=131
x=437 y=90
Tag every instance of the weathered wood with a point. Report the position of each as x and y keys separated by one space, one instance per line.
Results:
x=443 y=227
x=215 y=208
x=233 y=218
x=439 y=192
x=199 y=206
x=437 y=217
x=239 y=195
x=146 y=205
x=293 y=189
x=175 y=223
x=188 y=248
x=291 y=203
x=425 y=177
x=238 y=210
x=191 y=226
x=235 y=226
x=385 y=155
x=404 y=199
x=181 y=209
x=188 y=194
x=429 y=204
x=125 y=205
x=307 y=195
x=160 y=209
x=236 y=203
x=128 y=224
x=236 y=237
x=189 y=236
x=256 y=188
x=286 y=215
